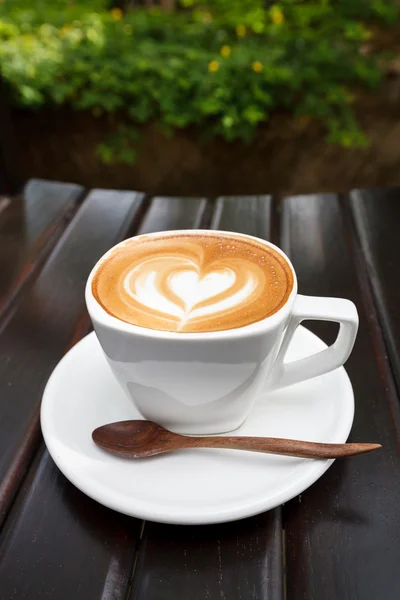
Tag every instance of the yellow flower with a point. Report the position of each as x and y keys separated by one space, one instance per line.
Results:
x=64 y=29
x=368 y=34
x=240 y=30
x=277 y=15
x=257 y=66
x=117 y=14
x=226 y=51
x=213 y=66
x=206 y=17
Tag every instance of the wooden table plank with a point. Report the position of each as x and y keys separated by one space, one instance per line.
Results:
x=231 y=561
x=377 y=216
x=51 y=318
x=30 y=226
x=235 y=560
x=57 y=543
x=342 y=534
x=247 y=214
x=174 y=213
x=46 y=532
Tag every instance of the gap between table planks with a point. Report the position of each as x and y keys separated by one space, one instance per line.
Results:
x=342 y=533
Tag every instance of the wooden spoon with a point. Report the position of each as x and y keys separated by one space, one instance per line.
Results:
x=139 y=439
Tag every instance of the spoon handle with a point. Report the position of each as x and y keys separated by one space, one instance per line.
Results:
x=296 y=448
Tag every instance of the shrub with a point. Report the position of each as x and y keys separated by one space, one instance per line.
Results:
x=221 y=66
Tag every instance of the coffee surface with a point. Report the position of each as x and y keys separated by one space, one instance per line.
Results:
x=192 y=282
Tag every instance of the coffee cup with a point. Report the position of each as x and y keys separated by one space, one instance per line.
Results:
x=206 y=382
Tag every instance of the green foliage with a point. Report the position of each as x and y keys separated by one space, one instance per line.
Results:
x=222 y=66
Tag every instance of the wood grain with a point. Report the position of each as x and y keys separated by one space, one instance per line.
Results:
x=56 y=542
x=174 y=213
x=60 y=544
x=248 y=214
x=376 y=215
x=342 y=533
x=51 y=317
x=232 y=561
x=240 y=560
x=30 y=226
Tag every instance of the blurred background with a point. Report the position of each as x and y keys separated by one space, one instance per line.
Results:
x=204 y=97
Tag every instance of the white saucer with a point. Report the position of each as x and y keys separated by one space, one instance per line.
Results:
x=191 y=486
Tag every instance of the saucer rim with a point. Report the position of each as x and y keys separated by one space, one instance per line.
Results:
x=154 y=511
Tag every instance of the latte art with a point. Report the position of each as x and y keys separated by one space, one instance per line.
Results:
x=192 y=282
x=178 y=288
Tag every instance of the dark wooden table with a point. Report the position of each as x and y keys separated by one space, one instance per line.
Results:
x=338 y=540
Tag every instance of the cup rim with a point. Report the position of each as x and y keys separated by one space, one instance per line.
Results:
x=100 y=316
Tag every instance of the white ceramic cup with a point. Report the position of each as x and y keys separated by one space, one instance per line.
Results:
x=205 y=383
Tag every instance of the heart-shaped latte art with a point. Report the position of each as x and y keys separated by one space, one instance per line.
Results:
x=176 y=287
x=192 y=288
x=192 y=283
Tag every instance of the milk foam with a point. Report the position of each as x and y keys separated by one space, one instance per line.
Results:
x=142 y=288
x=193 y=283
x=186 y=283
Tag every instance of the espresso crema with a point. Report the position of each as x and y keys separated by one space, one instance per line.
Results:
x=192 y=283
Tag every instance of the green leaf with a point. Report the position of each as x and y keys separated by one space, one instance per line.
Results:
x=253 y=114
x=127 y=155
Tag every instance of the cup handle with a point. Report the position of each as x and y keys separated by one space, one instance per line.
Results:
x=338 y=310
